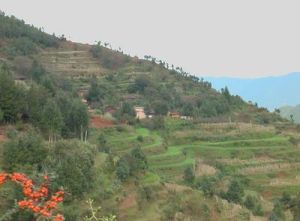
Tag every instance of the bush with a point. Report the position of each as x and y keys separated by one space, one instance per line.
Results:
x=207 y=185
x=130 y=164
x=72 y=162
x=235 y=191
x=25 y=149
x=252 y=203
x=189 y=175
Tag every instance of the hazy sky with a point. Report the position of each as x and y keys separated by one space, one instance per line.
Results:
x=245 y=38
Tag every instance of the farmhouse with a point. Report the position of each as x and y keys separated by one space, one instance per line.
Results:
x=174 y=114
x=140 y=113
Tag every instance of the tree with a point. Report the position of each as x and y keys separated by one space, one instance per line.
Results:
x=139 y=160
x=72 y=163
x=36 y=98
x=25 y=149
x=252 y=203
x=122 y=169
x=52 y=120
x=207 y=185
x=96 y=93
x=277 y=213
x=226 y=93
x=1 y=115
x=189 y=175
x=235 y=191
x=102 y=144
x=37 y=72
x=10 y=96
x=158 y=123
x=160 y=108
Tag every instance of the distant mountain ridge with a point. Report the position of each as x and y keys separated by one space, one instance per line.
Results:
x=269 y=92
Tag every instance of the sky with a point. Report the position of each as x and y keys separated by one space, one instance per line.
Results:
x=237 y=38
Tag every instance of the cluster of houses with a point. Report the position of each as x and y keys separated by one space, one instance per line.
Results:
x=139 y=110
x=140 y=114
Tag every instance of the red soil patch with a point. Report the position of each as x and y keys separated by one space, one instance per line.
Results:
x=281 y=174
x=214 y=215
x=128 y=202
x=99 y=122
x=267 y=194
x=2 y=135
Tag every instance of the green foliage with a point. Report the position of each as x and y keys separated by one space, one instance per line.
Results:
x=189 y=175
x=277 y=213
x=122 y=169
x=130 y=164
x=158 y=123
x=126 y=112
x=10 y=96
x=12 y=27
x=235 y=191
x=138 y=160
x=108 y=58
x=52 y=119
x=102 y=144
x=23 y=46
x=160 y=108
x=252 y=203
x=72 y=162
x=171 y=207
x=140 y=139
x=285 y=198
x=1 y=115
x=96 y=92
x=25 y=149
x=139 y=85
x=37 y=72
x=207 y=185
x=75 y=116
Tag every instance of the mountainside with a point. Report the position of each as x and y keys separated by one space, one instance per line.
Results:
x=138 y=139
x=269 y=92
x=108 y=77
x=287 y=111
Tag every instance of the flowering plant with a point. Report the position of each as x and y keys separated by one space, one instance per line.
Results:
x=36 y=198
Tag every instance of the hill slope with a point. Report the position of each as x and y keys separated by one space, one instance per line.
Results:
x=263 y=90
x=228 y=161
x=107 y=77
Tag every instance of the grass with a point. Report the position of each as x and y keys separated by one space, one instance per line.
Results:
x=229 y=152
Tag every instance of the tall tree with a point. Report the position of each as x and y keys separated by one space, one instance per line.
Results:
x=9 y=95
x=52 y=120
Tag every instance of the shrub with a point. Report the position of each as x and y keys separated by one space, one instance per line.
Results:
x=25 y=149
x=76 y=159
x=189 y=175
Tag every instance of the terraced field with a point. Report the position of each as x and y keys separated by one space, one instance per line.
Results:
x=266 y=158
x=255 y=157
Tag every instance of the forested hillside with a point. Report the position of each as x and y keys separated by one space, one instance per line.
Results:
x=68 y=116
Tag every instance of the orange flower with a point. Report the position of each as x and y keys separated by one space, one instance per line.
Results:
x=35 y=197
x=58 y=217
x=3 y=177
